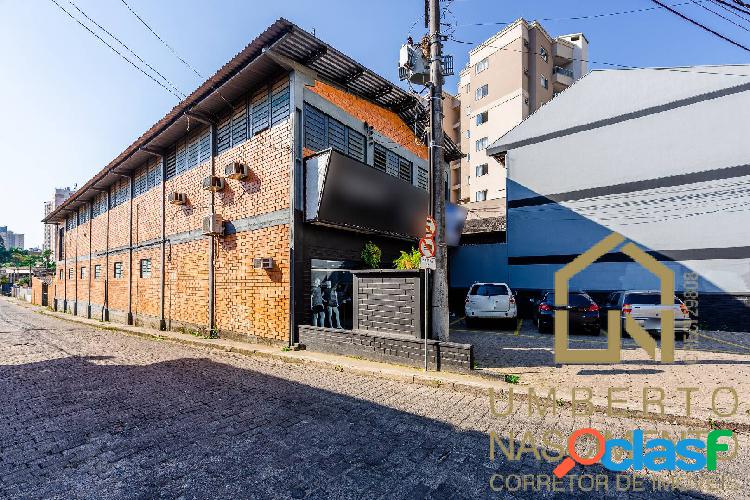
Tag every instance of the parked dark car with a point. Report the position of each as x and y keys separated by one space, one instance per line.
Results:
x=583 y=313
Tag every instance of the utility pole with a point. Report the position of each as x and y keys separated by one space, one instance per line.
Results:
x=437 y=170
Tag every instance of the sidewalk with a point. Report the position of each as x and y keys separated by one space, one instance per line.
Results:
x=480 y=382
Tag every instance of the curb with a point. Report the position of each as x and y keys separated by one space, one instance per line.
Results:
x=480 y=387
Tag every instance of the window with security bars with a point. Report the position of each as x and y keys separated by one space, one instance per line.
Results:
x=83 y=214
x=71 y=273
x=422 y=179
x=146 y=179
x=117 y=270
x=322 y=132
x=391 y=163
x=70 y=223
x=100 y=205
x=97 y=271
x=145 y=268
x=119 y=193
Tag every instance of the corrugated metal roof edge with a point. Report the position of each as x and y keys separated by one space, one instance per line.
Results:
x=278 y=29
x=247 y=55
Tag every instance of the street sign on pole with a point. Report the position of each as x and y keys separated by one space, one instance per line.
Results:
x=427 y=247
x=430 y=228
x=427 y=263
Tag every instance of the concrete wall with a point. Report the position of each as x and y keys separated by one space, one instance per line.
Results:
x=669 y=179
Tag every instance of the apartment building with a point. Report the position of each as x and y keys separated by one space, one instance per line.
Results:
x=507 y=78
x=11 y=239
x=233 y=212
x=50 y=235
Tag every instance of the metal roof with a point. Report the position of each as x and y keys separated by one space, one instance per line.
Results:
x=252 y=66
x=604 y=96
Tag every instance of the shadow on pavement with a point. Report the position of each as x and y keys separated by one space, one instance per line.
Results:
x=79 y=427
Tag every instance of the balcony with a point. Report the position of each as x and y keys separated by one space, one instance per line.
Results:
x=562 y=78
x=562 y=52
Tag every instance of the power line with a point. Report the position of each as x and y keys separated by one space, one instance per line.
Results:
x=733 y=6
x=115 y=50
x=166 y=80
x=577 y=18
x=174 y=51
x=731 y=11
x=702 y=26
x=603 y=63
x=161 y=39
x=719 y=15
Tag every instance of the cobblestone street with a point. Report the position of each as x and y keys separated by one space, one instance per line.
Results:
x=94 y=413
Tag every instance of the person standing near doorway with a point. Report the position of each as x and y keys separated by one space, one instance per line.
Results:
x=316 y=304
x=331 y=299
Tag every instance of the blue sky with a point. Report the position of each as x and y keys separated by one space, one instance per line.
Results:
x=70 y=105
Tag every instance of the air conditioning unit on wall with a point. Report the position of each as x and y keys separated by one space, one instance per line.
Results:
x=177 y=198
x=213 y=183
x=236 y=170
x=263 y=263
x=213 y=225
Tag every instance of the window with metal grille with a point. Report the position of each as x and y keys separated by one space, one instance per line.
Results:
x=261 y=111
x=280 y=102
x=140 y=183
x=97 y=271
x=239 y=125
x=321 y=132
x=120 y=192
x=71 y=222
x=145 y=268
x=192 y=154
x=83 y=214
x=224 y=136
x=83 y=272
x=117 y=270
x=62 y=274
x=181 y=159
x=387 y=161
x=205 y=147
x=100 y=205
x=71 y=273
x=170 y=168
x=422 y=180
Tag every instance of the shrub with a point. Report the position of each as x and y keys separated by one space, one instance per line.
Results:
x=408 y=260
x=371 y=255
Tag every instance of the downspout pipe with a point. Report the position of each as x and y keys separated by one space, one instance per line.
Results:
x=163 y=266
x=211 y=248
x=105 y=312
x=130 y=247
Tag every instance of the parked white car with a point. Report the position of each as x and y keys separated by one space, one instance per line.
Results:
x=490 y=300
x=644 y=306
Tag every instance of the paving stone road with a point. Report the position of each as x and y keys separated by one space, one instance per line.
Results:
x=93 y=413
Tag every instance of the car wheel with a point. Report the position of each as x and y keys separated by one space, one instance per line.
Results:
x=541 y=328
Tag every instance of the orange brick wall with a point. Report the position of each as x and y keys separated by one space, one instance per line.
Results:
x=383 y=120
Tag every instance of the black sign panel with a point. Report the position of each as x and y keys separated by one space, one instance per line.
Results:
x=358 y=197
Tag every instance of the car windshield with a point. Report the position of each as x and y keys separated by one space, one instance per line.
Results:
x=489 y=290
x=574 y=299
x=646 y=299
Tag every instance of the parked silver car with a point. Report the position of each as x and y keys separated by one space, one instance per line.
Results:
x=644 y=306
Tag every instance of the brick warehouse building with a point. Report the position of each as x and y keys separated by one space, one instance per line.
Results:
x=139 y=244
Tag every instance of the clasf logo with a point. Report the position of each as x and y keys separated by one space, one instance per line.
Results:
x=655 y=454
x=563 y=354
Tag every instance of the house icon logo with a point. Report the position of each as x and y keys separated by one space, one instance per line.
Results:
x=563 y=353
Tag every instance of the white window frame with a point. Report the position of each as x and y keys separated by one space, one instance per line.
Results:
x=483 y=197
x=481 y=144
x=485 y=170
x=485 y=114
x=481 y=66
x=481 y=92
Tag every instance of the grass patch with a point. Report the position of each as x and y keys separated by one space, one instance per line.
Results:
x=512 y=379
